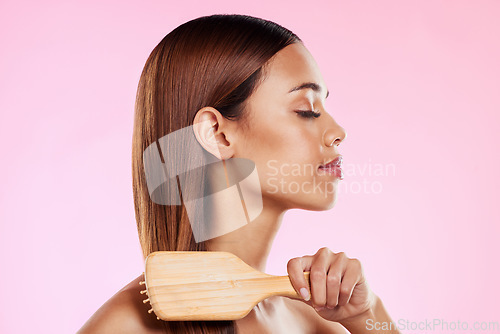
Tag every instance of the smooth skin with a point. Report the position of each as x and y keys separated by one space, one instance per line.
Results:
x=276 y=135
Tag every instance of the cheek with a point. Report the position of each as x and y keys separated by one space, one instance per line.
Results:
x=277 y=145
x=283 y=160
x=284 y=146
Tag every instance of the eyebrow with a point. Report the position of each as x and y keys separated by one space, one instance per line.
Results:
x=311 y=85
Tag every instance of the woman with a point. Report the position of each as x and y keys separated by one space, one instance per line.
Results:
x=247 y=89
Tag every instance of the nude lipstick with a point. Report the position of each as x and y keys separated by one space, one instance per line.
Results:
x=334 y=167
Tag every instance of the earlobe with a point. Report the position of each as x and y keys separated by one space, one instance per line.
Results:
x=208 y=129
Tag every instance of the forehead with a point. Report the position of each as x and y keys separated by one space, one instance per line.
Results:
x=290 y=67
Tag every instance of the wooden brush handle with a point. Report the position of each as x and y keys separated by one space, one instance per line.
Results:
x=272 y=285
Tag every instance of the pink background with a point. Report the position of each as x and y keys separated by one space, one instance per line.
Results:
x=414 y=83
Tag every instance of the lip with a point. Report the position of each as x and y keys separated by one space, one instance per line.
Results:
x=334 y=167
x=336 y=162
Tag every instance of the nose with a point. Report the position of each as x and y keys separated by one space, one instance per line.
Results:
x=334 y=135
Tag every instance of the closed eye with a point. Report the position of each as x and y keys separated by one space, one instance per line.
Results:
x=308 y=113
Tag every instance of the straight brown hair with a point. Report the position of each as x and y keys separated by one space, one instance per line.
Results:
x=214 y=61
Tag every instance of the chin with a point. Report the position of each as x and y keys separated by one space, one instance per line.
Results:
x=318 y=204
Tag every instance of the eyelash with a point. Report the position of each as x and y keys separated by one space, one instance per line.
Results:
x=308 y=113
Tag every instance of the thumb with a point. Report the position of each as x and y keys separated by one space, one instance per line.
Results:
x=300 y=280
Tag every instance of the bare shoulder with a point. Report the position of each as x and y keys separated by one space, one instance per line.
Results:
x=315 y=323
x=123 y=313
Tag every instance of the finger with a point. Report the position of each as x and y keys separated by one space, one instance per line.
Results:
x=319 y=268
x=334 y=278
x=296 y=268
x=351 y=277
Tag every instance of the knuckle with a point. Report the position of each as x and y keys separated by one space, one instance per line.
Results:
x=324 y=250
x=292 y=263
x=356 y=262
x=317 y=274
x=345 y=290
x=333 y=279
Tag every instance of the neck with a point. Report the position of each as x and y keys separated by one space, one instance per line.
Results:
x=253 y=241
x=248 y=238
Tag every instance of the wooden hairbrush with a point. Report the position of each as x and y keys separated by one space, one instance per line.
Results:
x=191 y=286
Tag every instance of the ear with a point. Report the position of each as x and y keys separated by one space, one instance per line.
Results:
x=211 y=130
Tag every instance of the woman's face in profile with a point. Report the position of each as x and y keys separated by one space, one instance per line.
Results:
x=290 y=134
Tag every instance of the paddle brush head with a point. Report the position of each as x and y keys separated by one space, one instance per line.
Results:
x=189 y=286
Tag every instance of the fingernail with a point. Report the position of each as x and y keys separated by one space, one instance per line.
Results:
x=305 y=294
x=319 y=308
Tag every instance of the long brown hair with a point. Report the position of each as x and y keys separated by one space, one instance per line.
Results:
x=214 y=61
